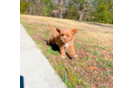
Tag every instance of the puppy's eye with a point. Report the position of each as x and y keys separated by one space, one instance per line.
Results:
x=62 y=35
x=67 y=36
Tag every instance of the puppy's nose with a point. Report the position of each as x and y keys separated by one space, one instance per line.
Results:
x=64 y=38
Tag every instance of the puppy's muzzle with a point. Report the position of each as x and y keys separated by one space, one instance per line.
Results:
x=64 y=38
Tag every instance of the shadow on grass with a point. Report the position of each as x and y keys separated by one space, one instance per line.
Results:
x=55 y=47
x=99 y=24
x=94 y=23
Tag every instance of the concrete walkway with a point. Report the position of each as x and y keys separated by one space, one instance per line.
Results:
x=35 y=69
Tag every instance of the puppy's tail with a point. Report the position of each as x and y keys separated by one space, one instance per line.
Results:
x=51 y=27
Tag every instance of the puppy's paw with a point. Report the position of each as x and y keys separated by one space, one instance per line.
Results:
x=63 y=56
x=76 y=56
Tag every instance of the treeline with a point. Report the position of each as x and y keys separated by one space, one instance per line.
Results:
x=86 y=10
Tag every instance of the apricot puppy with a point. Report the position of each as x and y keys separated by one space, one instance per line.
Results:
x=64 y=39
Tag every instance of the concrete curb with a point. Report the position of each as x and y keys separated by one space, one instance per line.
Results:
x=34 y=67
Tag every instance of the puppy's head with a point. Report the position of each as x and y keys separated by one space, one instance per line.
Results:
x=67 y=35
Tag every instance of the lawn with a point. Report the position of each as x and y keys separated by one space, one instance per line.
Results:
x=93 y=43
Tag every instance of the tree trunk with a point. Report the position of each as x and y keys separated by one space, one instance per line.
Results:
x=81 y=15
x=61 y=14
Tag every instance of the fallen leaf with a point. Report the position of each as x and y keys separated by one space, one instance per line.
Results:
x=50 y=59
x=53 y=64
x=100 y=69
x=93 y=68
x=112 y=77
x=68 y=74
x=56 y=59
x=85 y=83
x=99 y=78
x=106 y=69
x=107 y=57
x=67 y=71
x=70 y=77
x=85 y=67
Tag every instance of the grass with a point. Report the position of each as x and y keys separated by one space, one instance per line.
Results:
x=95 y=53
x=42 y=47
x=89 y=51
x=46 y=36
x=93 y=43
x=51 y=52
x=42 y=25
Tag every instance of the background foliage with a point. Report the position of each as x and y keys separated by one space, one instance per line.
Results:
x=83 y=10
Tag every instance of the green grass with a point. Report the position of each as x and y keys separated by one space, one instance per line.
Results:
x=95 y=53
x=57 y=67
x=50 y=51
x=42 y=25
x=106 y=73
x=92 y=81
x=86 y=86
x=77 y=45
x=47 y=35
x=64 y=77
x=102 y=87
x=23 y=23
x=31 y=34
x=69 y=85
x=97 y=46
x=109 y=64
x=86 y=58
x=89 y=51
x=42 y=47
x=79 y=81
x=34 y=40
x=40 y=42
x=99 y=60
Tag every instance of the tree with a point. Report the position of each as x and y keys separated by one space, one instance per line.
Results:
x=61 y=6
x=71 y=12
x=81 y=5
x=48 y=7
x=94 y=10
x=22 y=7
x=103 y=11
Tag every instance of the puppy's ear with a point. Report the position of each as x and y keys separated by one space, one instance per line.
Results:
x=59 y=30
x=75 y=30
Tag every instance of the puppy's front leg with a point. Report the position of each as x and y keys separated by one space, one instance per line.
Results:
x=71 y=51
x=62 y=51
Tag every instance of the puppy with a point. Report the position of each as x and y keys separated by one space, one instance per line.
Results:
x=64 y=39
